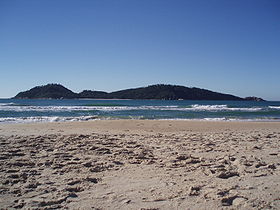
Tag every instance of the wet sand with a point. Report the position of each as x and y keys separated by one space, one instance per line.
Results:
x=140 y=164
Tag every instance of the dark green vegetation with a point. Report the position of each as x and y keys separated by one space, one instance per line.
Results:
x=171 y=92
x=253 y=98
x=92 y=94
x=161 y=92
x=54 y=91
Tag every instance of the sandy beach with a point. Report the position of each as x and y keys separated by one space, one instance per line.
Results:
x=140 y=164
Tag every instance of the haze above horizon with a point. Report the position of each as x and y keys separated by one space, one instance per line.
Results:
x=225 y=46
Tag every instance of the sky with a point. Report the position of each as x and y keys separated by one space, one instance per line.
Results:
x=222 y=45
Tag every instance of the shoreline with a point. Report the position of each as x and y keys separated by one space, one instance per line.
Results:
x=134 y=126
x=89 y=119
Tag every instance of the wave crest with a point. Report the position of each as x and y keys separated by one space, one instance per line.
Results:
x=274 y=107
x=195 y=107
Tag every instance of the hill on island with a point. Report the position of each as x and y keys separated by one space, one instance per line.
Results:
x=54 y=91
x=160 y=92
x=171 y=92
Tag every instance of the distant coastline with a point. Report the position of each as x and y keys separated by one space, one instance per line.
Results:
x=157 y=92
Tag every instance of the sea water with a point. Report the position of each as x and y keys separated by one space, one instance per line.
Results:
x=44 y=110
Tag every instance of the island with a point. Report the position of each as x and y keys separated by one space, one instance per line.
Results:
x=158 y=92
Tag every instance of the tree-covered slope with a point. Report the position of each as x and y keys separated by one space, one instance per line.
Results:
x=171 y=92
x=54 y=91
x=92 y=94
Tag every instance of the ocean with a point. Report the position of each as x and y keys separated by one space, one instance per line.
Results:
x=44 y=110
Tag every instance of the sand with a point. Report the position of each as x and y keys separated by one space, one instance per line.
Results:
x=140 y=164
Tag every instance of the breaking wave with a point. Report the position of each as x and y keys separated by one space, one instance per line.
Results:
x=224 y=108
x=274 y=107
x=45 y=119
x=195 y=107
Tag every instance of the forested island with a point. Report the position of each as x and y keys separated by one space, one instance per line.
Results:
x=160 y=92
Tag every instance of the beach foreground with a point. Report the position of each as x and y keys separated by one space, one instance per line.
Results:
x=140 y=164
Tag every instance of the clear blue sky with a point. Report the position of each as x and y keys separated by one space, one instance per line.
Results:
x=221 y=45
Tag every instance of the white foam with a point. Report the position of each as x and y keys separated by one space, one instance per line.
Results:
x=45 y=119
x=223 y=108
x=62 y=108
x=215 y=119
x=7 y=104
x=274 y=107
x=197 y=107
x=194 y=107
x=209 y=107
